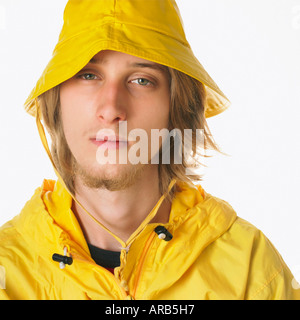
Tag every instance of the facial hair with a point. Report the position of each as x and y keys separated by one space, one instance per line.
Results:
x=127 y=176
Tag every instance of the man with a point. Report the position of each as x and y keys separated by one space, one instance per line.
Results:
x=120 y=222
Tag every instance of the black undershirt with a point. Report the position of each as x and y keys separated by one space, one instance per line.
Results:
x=105 y=258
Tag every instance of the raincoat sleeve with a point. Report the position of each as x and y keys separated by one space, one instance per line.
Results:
x=281 y=287
x=269 y=277
x=285 y=287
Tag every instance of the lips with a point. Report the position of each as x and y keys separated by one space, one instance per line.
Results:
x=108 y=135
x=110 y=138
x=110 y=144
x=109 y=141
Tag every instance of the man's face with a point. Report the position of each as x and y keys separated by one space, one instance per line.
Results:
x=111 y=88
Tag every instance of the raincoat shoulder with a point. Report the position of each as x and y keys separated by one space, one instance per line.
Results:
x=267 y=277
x=27 y=243
x=17 y=252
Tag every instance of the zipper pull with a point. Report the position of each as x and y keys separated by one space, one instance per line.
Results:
x=163 y=233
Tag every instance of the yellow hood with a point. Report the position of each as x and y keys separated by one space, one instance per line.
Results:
x=151 y=30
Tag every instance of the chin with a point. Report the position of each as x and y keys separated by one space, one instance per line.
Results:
x=110 y=177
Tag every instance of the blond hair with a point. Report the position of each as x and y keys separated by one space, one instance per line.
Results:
x=187 y=111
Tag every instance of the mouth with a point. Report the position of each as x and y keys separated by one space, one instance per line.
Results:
x=109 y=142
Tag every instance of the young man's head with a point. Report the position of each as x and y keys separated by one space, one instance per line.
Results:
x=116 y=62
x=112 y=88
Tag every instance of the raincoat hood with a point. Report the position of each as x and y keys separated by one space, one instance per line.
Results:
x=151 y=30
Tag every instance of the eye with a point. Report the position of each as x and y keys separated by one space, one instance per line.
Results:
x=87 y=76
x=142 y=81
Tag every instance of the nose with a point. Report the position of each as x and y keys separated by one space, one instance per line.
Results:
x=111 y=103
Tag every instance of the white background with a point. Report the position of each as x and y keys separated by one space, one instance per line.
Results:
x=251 y=48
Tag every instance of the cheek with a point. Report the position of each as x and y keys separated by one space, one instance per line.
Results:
x=156 y=112
x=66 y=114
x=68 y=100
x=70 y=115
x=76 y=104
x=163 y=107
x=155 y=117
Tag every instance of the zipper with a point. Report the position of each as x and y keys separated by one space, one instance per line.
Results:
x=142 y=261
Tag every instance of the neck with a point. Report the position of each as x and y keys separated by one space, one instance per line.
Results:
x=119 y=211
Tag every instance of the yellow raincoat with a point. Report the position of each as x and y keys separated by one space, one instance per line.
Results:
x=213 y=254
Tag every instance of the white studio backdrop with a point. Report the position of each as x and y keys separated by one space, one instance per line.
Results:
x=251 y=48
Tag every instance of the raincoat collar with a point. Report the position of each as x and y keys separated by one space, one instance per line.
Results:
x=193 y=210
x=196 y=220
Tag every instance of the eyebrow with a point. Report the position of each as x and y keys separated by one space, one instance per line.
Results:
x=150 y=65
x=96 y=61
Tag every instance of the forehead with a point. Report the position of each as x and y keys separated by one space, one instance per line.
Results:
x=104 y=57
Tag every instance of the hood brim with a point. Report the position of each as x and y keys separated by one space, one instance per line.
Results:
x=71 y=55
